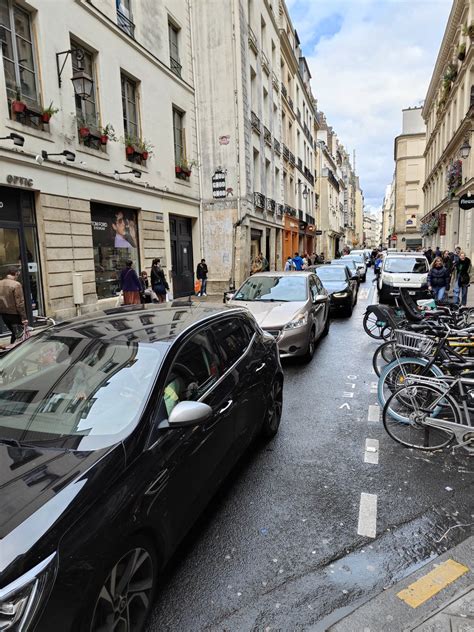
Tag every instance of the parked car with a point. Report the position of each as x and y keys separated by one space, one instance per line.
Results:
x=407 y=270
x=341 y=286
x=292 y=306
x=115 y=433
x=365 y=254
x=360 y=261
x=351 y=265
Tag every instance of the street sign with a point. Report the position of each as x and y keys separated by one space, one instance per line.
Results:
x=394 y=238
x=466 y=202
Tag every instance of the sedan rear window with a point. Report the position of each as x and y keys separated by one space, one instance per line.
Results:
x=406 y=265
x=273 y=288
x=335 y=273
x=55 y=388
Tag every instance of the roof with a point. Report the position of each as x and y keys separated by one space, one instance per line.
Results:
x=141 y=323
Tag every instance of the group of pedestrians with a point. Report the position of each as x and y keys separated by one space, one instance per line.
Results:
x=449 y=269
x=302 y=262
x=141 y=289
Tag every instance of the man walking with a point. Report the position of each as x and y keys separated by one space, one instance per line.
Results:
x=201 y=275
x=463 y=278
x=12 y=303
x=298 y=261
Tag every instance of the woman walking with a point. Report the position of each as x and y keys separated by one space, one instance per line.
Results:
x=463 y=278
x=130 y=285
x=158 y=280
x=438 y=279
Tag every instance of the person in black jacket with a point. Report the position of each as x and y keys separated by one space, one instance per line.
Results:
x=463 y=278
x=158 y=280
x=201 y=275
x=438 y=279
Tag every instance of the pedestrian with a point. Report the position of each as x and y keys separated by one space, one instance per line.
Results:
x=298 y=261
x=12 y=304
x=264 y=261
x=201 y=275
x=130 y=285
x=429 y=255
x=438 y=279
x=159 y=284
x=305 y=262
x=289 y=265
x=437 y=252
x=314 y=259
x=463 y=278
x=448 y=261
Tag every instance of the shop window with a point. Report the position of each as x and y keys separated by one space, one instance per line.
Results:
x=173 y=34
x=19 y=64
x=115 y=240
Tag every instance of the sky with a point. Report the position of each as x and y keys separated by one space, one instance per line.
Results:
x=369 y=59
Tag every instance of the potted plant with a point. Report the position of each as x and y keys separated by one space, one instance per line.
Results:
x=468 y=29
x=462 y=52
x=18 y=105
x=107 y=133
x=144 y=148
x=83 y=128
x=130 y=144
x=48 y=112
x=451 y=73
x=183 y=168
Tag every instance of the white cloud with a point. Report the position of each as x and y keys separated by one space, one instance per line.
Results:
x=379 y=62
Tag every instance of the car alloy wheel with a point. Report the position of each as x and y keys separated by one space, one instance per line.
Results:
x=274 y=410
x=124 y=600
x=311 y=346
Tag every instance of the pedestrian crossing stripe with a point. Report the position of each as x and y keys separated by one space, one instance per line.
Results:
x=432 y=583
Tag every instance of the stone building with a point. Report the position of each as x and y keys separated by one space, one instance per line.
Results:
x=79 y=198
x=448 y=112
x=409 y=178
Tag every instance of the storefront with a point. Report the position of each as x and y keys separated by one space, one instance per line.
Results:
x=19 y=245
x=291 y=238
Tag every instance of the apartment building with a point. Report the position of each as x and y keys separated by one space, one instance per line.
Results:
x=409 y=176
x=388 y=213
x=98 y=142
x=448 y=112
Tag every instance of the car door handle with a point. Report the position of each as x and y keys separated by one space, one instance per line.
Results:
x=226 y=407
x=262 y=366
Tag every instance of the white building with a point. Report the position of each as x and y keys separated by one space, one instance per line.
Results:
x=60 y=217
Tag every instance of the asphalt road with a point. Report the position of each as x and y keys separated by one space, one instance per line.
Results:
x=282 y=547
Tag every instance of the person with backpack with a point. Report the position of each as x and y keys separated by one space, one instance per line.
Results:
x=158 y=280
x=289 y=265
x=201 y=275
x=438 y=279
x=463 y=278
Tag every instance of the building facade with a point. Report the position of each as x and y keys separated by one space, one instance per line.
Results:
x=97 y=181
x=388 y=212
x=448 y=112
x=409 y=179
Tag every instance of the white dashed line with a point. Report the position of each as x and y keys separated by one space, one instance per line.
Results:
x=371 y=451
x=364 y=294
x=367 y=515
x=374 y=413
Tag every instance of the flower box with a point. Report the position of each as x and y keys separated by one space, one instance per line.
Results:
x=84 y=132
x=18 y=106
x=46 y=117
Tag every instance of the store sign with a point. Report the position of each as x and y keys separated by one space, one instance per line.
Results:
x=114 y=229
x=442 y=224
x=19 y=181
x=466 y=202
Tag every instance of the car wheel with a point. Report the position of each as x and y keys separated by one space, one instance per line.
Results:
x=123 y=600
x=271 y=423
x=308 y=356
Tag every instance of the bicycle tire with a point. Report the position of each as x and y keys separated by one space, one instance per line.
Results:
x=390 y=373
x=369 y=330
x=384 y=354
x=414 y=434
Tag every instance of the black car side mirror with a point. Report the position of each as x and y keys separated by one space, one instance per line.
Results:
x=189 y=414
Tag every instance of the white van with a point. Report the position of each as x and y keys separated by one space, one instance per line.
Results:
x=408 y=270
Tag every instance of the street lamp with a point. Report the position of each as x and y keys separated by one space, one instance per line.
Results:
x=465 y=149
x=69 y=155
x=16 y=138
x=81 y=80
x=305 y=192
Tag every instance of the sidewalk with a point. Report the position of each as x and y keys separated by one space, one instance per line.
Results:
x=439 y=597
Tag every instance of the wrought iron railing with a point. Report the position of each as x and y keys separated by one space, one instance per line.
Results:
x=267 y=136
x=280 y=209
x=275 y=81
x=292 y=159
x=265 y=62
x=290 y=103
x=257 y=126
x=301 y=215
x=253 y=42
x=299 y=165
x=298 y=114
x=125 y=24
x=277 y=146
x=271 y=205
x=259 y=200
x=286 y=153
x=175 y=66
x=284 y=91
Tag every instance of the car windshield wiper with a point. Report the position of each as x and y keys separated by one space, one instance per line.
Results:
x=274 y=300
x=13 y=442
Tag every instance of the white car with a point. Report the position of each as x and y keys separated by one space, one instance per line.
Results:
x=407 y=270
x=360 y=261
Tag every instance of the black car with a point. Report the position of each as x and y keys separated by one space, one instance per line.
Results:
x=115 y=432
x=351 y=265
x=341 y=286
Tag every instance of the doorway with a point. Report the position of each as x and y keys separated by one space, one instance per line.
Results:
x=182 y=272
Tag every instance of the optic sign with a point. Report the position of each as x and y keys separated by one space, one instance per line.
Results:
x=24 y=182
x=466 y=202
x=219 y=184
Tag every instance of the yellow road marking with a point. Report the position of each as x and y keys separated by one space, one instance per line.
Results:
x=432 y=583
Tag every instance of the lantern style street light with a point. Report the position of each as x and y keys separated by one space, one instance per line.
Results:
x=81 y=80
x=465 y=149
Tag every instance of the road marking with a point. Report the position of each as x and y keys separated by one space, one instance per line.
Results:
x=432 y=583
x=374 y=413
x=373 y=387
x=367 y=515
x=371 y=451
x=348 y=394
x=344 y=405
x=364 y=294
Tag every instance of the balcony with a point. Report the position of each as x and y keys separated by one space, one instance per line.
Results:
x=290 y=103
x=284 y=91
x=298 y=114
x=277 y=146
x=265 y=62
x=280 y=209
x=286 y=153
x=309 y=176
x=256 y=125
x=301 y=215
x=253 y=42
x=125 y=23
x=267 y=136
x=292 y=159
x=299 y=165
x=276 y=83
x=289 y=210
x=271 y=206
x=175 y=66
x=259 y=200
x=310 y=219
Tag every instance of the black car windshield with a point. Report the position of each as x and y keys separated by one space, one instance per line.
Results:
x=406 y=265
x=58 y=390
x=273 y=288
x=358 y=258
x=347 y=262
x=335 y=273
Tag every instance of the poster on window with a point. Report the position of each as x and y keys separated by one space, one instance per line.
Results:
x=114 y=228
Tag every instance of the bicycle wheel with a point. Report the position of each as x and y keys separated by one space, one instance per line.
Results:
x=373 y=326
x=383 y=355
x=393 y=377
x=416 y=403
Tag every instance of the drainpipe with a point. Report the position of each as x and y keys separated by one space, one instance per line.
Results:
x=198 y=137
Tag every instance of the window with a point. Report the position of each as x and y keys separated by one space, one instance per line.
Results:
x=86 y=109
x=129 y=106
x=195 y=369
x=178 y=134
x=232 y=338
x=18 y=53
x=173 y=33
x=124 y=17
